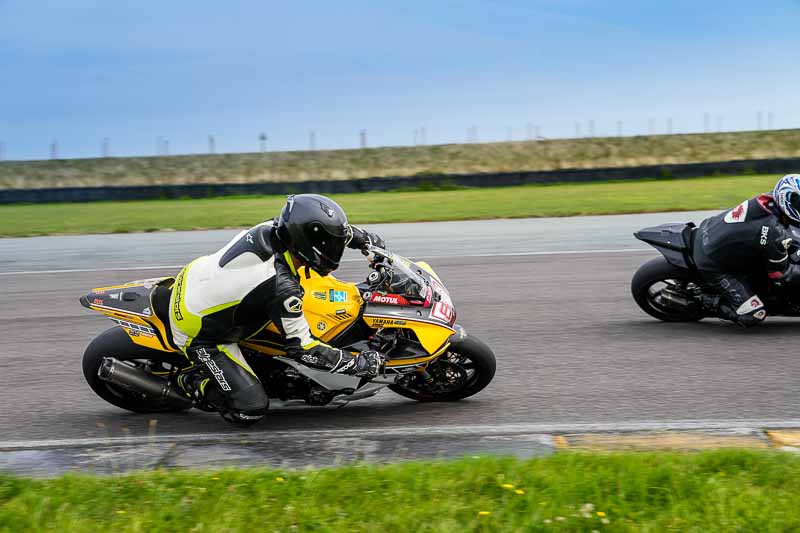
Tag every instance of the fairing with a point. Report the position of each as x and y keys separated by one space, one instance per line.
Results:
x=130 y=305
x=331 y=308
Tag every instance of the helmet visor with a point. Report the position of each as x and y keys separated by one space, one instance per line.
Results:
x=794 y=201
x=327 y=249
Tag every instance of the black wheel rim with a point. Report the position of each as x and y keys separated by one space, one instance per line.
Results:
x=452 y=372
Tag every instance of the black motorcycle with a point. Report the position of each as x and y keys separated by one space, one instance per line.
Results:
x=670 y=287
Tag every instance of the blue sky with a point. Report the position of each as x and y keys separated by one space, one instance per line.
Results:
x=78 y=71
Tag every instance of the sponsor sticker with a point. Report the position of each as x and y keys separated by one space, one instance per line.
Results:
x=392 y=299
x=135 y=330
x=383 y=322
x=320 y=295
x=337 y=296
x=442 y=311
x=205 y=358
x=764 y=233
x=737 y=214
x=176 y=294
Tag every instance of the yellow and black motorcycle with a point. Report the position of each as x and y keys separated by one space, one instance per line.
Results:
x=402 y=310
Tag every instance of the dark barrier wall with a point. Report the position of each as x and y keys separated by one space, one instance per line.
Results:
x=147 y=192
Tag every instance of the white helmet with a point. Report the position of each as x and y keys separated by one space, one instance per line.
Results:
x=787 y=195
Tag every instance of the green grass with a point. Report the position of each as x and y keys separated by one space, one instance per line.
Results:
x=712 y=491
x=402 y=161
x=412 y=206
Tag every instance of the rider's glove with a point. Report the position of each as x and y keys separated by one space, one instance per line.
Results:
x=368 y=363
x=361 y=239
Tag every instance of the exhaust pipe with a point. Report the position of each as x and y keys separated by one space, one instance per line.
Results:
x=136 y=379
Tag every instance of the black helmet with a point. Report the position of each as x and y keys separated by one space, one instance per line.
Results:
x=315 y=229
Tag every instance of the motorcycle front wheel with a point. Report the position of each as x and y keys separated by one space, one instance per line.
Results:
x=464 y=370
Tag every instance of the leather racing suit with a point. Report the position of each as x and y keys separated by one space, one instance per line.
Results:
x=730 y=247
x=221 y=299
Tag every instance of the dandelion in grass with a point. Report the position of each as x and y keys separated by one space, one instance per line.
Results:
x=484 y=513
x=601 y=514
x=507 y=486
x=122 y=512
x=280 y=479
x=519 y=491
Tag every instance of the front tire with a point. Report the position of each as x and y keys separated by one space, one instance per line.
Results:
x=115 y=342
x=646 y=288
x=465 y=369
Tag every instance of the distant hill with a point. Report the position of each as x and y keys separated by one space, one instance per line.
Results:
x=401 y=161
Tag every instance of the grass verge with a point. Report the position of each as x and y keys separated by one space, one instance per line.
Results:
x=412 y=206
x=711 y=491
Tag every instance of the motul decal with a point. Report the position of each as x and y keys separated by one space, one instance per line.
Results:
x=737 y=214
x=392 y=299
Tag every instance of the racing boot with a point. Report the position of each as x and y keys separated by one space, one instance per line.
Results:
x=716 y=307
x=743 y=317
x=193 y=383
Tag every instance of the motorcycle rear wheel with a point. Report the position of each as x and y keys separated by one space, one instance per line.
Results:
x=647 y=295
x=114 y=342
x=464 y=370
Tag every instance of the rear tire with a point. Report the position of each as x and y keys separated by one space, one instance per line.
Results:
x=116 y=343
x=469 y=360
x=655 y=271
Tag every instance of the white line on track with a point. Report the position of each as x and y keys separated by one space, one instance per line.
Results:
x=175 y=267
x=509 y=430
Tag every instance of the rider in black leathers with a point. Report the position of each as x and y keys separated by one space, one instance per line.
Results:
x=754 y=237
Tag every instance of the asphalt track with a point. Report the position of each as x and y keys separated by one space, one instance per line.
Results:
x=550 y=296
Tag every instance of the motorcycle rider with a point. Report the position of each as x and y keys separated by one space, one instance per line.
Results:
x=221 y=299
x=752 y=237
